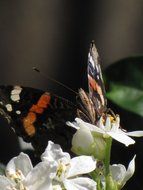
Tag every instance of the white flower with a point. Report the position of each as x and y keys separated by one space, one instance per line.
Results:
x=120 y=174
x=83 y=142
x=20 y=175
x=67 y=170
x=105 y=128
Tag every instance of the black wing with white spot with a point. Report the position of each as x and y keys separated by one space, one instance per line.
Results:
x=37 y=116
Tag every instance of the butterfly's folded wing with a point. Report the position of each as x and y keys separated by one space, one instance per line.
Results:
x=37 y=116
x=95 y=80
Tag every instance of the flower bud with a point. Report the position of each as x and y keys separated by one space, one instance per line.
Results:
x=88 y=143
x=110 y=183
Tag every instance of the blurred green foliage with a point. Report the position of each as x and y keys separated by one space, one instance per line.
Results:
x=124 y=81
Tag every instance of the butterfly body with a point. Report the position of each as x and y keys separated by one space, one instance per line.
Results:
x=38 y=116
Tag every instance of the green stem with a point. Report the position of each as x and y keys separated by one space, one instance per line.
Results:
x=95 y=176
x=107 y=155
x=98 y=184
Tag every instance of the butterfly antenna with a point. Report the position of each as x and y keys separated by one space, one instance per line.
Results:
x=54 y=80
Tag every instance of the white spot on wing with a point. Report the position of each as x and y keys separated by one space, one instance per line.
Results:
x=93 y=57
x=98 y=77
x=15 y=93
x=91 y=60
x=97 y=68
x=1 y=103
x=18 y=112
x=8 y=107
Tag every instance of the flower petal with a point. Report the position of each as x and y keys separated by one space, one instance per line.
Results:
x=57 y=187
x=130 y=171
x=80 y=183
x=89 y=126
x=121 y=137
x=39 y=178
x=53 y=153
x=21 y=162
x=5 y=183
x=135 y=133
x=73 y=124
x=118 y=172
x=82 y=141
x=81 y=165
x=107 y=123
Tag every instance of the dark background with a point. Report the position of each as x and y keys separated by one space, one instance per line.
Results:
x=55 y=36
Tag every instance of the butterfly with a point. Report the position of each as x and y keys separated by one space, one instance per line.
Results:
x=38 y=116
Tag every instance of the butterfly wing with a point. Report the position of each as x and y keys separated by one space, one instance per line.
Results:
x=37 y=116
x=95 y=80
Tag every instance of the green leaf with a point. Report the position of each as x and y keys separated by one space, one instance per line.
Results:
x=125 y=81
x=126 y=97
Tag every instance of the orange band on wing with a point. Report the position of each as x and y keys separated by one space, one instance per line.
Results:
x=94 y=85
x=28 y=123
x=42 y=103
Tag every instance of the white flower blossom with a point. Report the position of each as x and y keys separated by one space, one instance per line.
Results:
x=120 y=174
x=68 y=171
x=20 y=175
x=105 y=128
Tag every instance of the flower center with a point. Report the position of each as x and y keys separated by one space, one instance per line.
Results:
x=18 y=186
x=62 y=171
x=17 y=177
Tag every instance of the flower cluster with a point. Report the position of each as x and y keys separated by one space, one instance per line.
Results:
x=97 y=141
x=56 y=171
x=91 y=139
x=90 y=170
